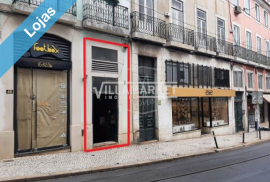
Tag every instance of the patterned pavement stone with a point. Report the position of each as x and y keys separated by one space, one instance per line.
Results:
x=64 y=162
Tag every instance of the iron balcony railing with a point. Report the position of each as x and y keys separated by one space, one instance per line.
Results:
x=224 y=47
x=180 y=34
x=60 y=4
x=251 y=55
x=101 y=11
x=148 y=24
x=205 y=41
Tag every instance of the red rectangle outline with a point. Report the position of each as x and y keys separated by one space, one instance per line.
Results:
x=85 y=105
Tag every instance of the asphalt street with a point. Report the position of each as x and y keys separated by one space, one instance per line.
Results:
x=246 y=165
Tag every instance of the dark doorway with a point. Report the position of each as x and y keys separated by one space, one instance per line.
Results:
x=147 y=98
x=105 y=110
x=238 y=111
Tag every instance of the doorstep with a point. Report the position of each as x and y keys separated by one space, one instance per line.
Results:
x=104 y=144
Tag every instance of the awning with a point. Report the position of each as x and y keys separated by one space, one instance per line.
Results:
x=199 y=92
x=267 y=97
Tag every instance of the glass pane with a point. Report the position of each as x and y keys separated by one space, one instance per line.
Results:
x=103 y=54
x=220 y=114
x=185 y=114
x=206 y=112
x=177 y=4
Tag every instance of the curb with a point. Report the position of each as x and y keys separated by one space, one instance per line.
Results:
x=123 y=166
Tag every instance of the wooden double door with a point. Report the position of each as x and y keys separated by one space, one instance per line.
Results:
x=147 y=100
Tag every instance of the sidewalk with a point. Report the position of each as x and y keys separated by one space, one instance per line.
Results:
x=66 y=164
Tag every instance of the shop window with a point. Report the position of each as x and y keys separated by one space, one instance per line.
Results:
x=262 y=113
x=268 y=83
x=260 y=81
x=238 y=79
x=250 y=80
x=222 y=78
x=185 y=114
x=215 y=112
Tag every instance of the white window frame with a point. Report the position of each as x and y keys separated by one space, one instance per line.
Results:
x=257 y=13
x=267 y=51
x=260 y=74
x=267 y=76
x=235 y=24
x=146 y=8
x=183 y=13
x=257 y=50
x=235 y=2
x=242 y=72
x=249 y=31
x=248 y=8
x=266 y=20
x=250 y=88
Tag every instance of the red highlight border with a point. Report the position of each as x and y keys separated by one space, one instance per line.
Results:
x=84 y=94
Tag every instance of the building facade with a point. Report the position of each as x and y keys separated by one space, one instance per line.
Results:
x=179 y=48
x=249 y=32
x=42 y=98
x=194 y=71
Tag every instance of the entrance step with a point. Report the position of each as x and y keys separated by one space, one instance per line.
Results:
x=104 y=144
x=206 y=134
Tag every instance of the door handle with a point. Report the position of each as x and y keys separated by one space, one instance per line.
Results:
x=33 y=97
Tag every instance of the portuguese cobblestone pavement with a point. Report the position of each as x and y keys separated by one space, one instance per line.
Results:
x=65 y=162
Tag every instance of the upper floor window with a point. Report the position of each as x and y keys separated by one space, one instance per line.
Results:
x=257 y=12
x=177 y=12
x=266 y=19
x=237 y=78
x=250 y=80
x=260 y=81
x=235 y=2
x=248 y=40
x=267 y=48
x=247 y=6
x=268 y=83
x=201 y=21
x=221 y=29
x=236 y=33
x=259 y=44
x=146 y=7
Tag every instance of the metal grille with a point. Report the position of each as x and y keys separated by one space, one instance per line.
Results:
x=180 y=34
x=204 y=75
x=60 y=4
x=101 y=11
x=206 y=41
x=104 y=66
x=148 y=24
x=222 y=78
x=224 y=47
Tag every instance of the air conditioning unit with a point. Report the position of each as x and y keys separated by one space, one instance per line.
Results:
x=237 y=10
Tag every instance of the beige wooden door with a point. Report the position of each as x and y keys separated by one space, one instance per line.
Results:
x=42 y=108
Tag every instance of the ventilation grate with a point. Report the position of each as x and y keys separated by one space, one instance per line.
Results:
x=104 y=66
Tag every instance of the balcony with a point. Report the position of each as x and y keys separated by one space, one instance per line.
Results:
x=99 y=15
x=28 y=6
x=178 y=36
x=148 y=28
x=205 y=42
x=250 y=57
x=224 y=48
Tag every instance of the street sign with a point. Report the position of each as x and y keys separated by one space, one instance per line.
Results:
x=260 y=97
x=254 y=98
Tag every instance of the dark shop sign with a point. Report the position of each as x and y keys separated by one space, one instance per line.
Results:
x=46 y=47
